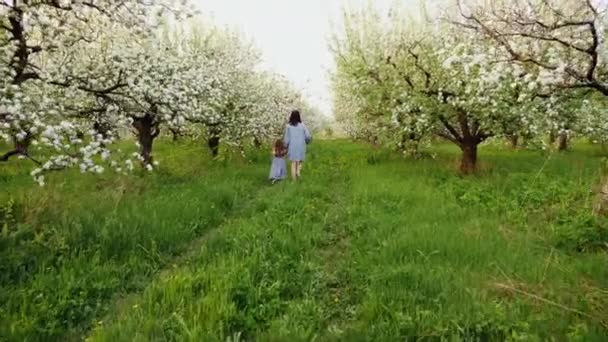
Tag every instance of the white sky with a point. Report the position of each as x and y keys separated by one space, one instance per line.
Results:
x=292 y=35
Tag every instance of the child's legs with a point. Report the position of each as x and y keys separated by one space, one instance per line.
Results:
x=299 y=168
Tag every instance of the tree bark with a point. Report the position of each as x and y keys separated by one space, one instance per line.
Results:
x=5 y=157
x=214 y=145
x=513 y=141
x=257 y=143
x=147 y=130
x=103 y=129
x=563 y=142
x=20 y=148
x=552 y=137
x=468 y=163
x=146 y=141
x=214 y=139
x=467 y=135
x=175 y=134
x=403 y=143
x=375 y=141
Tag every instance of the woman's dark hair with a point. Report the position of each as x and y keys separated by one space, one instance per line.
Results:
x=294 y=118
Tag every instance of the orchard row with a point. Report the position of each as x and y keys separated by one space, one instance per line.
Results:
x=514 y=69
x=76 y=73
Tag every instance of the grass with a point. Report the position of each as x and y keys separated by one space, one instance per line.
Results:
x=368 y=247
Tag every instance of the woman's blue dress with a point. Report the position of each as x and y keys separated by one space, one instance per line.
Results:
x=296 y=138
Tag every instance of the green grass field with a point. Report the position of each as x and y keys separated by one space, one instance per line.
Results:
x=369 y=246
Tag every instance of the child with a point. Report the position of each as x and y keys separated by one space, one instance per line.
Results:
x=278 y=170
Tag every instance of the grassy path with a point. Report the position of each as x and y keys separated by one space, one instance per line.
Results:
x=73 y=248
x=368 y=247
x=262 y=271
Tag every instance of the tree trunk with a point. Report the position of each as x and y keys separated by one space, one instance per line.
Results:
x=23 y=146
x=146 y=141
x=469 y=137
x=102 y=129
x=213 y=140
x=468 y=163
x=525 y=141
x=402 y=145
x=513 y=141
x=375 y=141
x=552 y=137
x=214 y=145
x=563 y=142
x=20 y=148
x=147 y=130
x=175 y=134
x=257 y=143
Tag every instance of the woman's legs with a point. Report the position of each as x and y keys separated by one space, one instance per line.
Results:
x=294 y=170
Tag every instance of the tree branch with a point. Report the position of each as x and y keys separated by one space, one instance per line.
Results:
x=455 y=135
x=427 y=74
x=5 y=157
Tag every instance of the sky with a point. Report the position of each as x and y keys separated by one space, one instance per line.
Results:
x=293 y=36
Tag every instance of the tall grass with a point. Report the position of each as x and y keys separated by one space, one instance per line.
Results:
x=368 y=247
x=68 y=249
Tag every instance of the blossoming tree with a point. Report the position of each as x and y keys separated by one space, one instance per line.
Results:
x=412 y=82
x=42 y=98
x=74 y=73
x=561 y=43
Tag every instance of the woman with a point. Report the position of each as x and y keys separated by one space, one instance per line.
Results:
x=296 y=138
